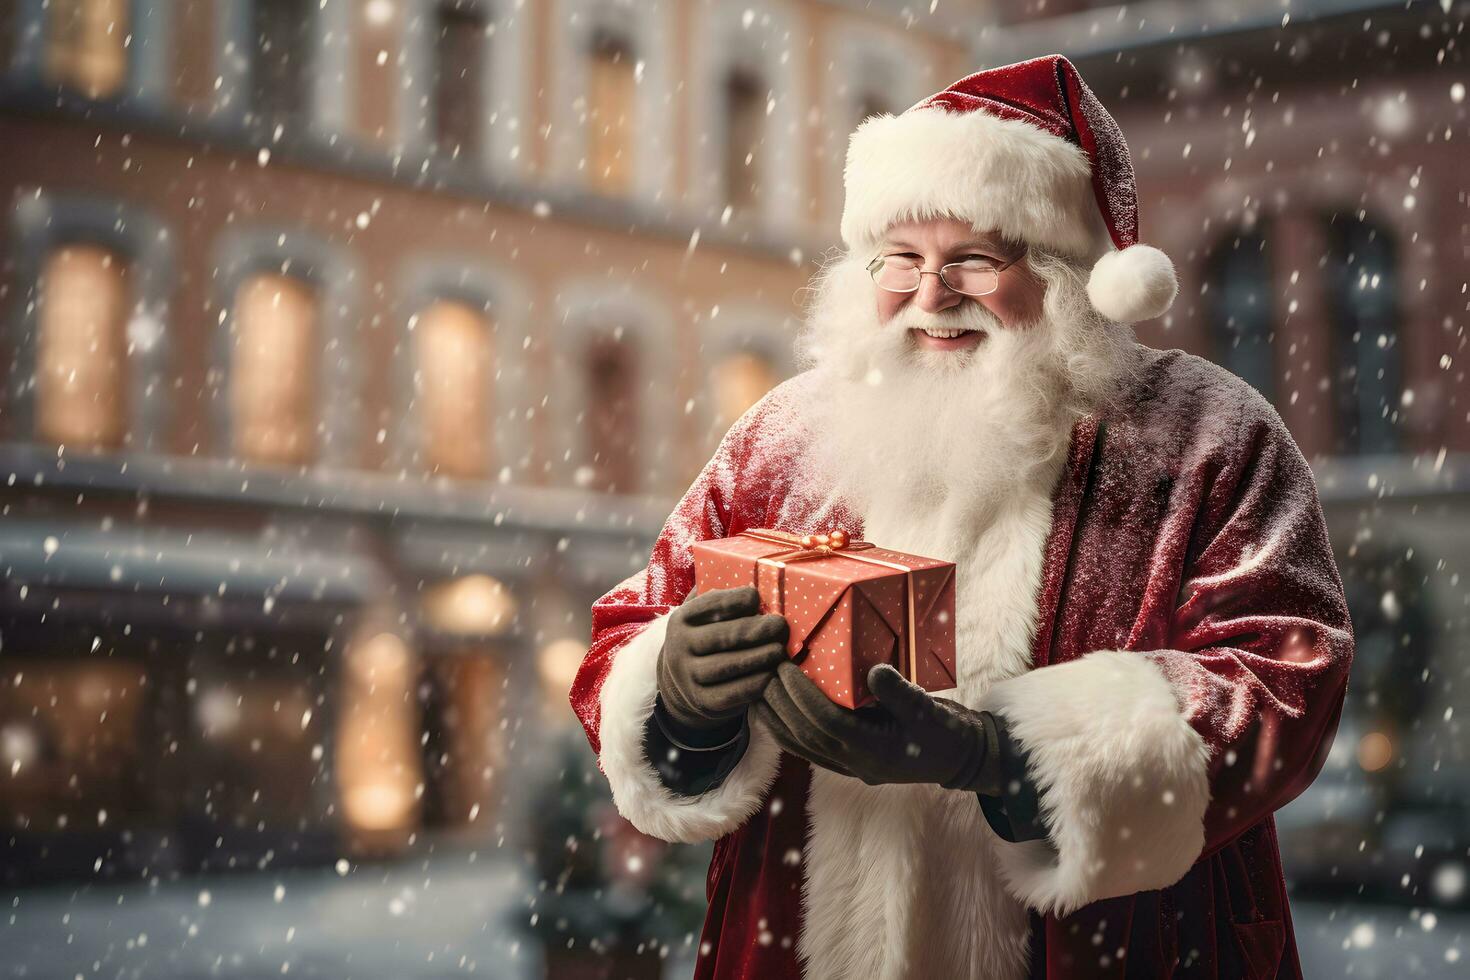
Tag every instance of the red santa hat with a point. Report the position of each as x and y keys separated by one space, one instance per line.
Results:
x=1028 y=150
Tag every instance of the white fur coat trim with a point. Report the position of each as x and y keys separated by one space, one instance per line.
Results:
x=1123 y=780
x=640 y=796
x=903 y=881
x=1000 y=174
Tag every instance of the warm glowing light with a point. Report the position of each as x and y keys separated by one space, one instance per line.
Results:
x=378 y=12
x=1375 y=751
x=377 y=806
x=378 y=762
x=218 y=710
x=384 y=654
x=474 y=605
x=19 y=746
x=739 y=382
x=556 y=666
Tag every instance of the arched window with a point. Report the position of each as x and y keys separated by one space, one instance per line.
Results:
x=745 y=124
x=274 y=369
x=453 y=347
x=611 y=91
x=612 y=423
x=458 y=95
x=1362 y=275
x=1240 y=312
x=89 y=344
x=750 y=160
x=81 y=355
x=740 y=379
x=87 y=45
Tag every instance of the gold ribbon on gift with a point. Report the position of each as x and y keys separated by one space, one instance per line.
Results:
x=834 y=543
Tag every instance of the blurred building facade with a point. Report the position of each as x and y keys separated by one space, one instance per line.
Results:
x=356 y=346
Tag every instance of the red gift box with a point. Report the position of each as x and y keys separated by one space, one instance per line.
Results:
x=850 y=605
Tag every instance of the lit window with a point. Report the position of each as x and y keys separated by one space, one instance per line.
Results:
x=87 y=45
x=81 y=369
x=453 y=346
x=739 y=382
x=612 y=416
x=458 y=80
x=378 y=763
x=272 y=384
x=745 y=121
x=610 y=93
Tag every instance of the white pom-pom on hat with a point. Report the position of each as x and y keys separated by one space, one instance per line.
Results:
x=1133 y=284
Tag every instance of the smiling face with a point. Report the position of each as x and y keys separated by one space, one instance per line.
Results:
x=935 y=242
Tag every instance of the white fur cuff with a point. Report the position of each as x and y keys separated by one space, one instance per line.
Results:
x=640 y=796
x=1122 y=777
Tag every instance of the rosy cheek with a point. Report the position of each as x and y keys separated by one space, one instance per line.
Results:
x=888 y=304
x=1014 y=302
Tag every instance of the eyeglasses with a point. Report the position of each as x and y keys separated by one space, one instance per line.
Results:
x=973 y=277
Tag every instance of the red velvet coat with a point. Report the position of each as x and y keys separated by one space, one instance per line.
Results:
x=1188 y=654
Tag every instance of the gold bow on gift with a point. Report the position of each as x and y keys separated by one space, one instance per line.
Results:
x=835 y=542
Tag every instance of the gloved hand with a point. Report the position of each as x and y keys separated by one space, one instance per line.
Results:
x=910 y=736
x=718 y=655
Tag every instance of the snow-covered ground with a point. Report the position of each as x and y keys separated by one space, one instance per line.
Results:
x=373 y=923
x=452 y=918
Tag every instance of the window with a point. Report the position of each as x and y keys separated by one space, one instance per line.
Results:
x=739 y=382
x=612 y=416
x=745 y=118
x=1364 y=309
x=453 y=347
x=81 y=370
x=87 y=45
x=458 y=79
x=273 y=371
x=280 y=32
x=611 y=91
x=1238 y=302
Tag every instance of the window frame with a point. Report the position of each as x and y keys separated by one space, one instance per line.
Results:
x=648 y=29
x=149 y=53
x=240 y=254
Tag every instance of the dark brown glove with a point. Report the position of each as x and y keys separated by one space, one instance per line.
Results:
x=910 y=736
x=718 y=655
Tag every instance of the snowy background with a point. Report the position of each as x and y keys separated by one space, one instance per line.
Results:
x=352 y=348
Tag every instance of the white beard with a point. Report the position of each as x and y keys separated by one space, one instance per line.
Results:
x=896 y=427
x=951 y=455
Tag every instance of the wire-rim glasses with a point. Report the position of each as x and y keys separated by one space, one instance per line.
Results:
x=971 y=277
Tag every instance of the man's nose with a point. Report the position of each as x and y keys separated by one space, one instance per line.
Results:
x=933 y=295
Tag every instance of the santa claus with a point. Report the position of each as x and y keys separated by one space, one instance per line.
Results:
x=1152 y=641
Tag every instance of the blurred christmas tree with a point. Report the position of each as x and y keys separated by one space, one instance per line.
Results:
x=614 y=902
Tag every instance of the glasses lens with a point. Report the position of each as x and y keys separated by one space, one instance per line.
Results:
x=971 y=278
x=898 y=274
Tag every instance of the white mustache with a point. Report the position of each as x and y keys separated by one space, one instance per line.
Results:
x=970 y=316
